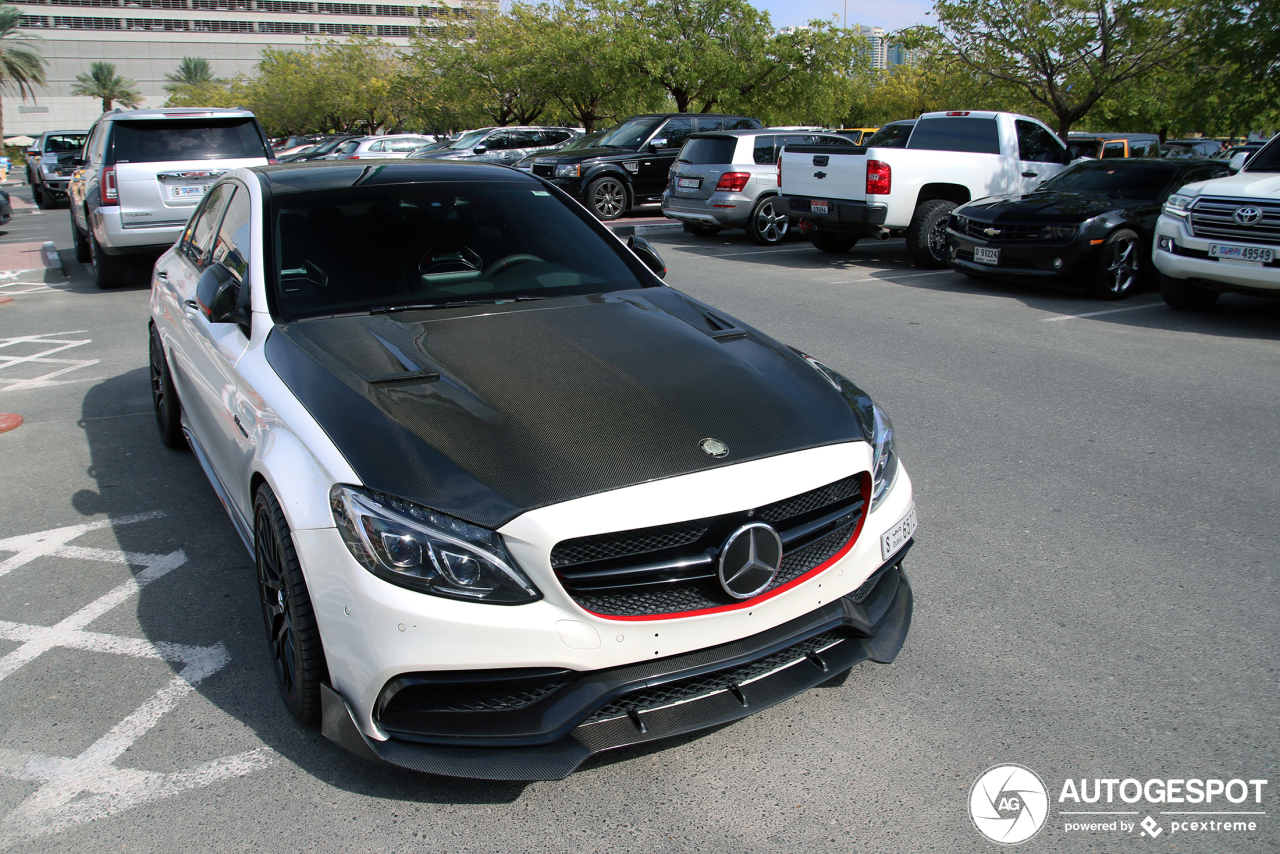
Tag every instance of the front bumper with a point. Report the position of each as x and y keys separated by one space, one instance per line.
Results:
x=1028 y=259
x=650 y=700
x=1187 y=257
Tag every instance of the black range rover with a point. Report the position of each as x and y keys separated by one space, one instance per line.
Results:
x=629 y=165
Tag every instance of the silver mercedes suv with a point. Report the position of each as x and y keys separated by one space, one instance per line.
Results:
x=144 y=171
x=728 y=179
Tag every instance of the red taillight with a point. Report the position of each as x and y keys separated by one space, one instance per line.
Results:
x=272 y=160
x=779 y=171
x=108 y=193
x=879 y=178
x=958 y=113
x=734 y=182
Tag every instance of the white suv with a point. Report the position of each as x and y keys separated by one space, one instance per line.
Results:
x=143 y=173
x=1222 y=235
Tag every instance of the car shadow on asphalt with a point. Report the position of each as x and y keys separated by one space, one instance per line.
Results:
x=213 y=599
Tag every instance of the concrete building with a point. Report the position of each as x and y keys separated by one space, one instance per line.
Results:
x=146 y=39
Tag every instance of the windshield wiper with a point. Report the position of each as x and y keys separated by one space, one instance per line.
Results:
x=426 y=306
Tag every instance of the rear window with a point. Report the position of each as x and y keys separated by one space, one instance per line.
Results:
x=186 y=139
x=892 y=136
x=956 y=133
x=708 y=151
x=1119 y=181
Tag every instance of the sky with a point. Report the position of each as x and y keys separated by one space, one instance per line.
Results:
x=891 y=16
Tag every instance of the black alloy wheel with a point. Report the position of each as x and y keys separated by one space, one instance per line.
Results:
x=1182 y=295
x=292 y=632
x=833 y=242
x=927 y=234
x=164 y=398
x=767 y=226
x=1120 y=266
x=78 y=240
x=607 y=198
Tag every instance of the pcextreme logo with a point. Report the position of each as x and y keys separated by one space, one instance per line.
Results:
x=1009 y=804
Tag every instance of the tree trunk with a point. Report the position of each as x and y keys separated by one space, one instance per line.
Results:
x=106 y=105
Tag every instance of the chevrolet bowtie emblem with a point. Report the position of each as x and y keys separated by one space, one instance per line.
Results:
x=991 y=232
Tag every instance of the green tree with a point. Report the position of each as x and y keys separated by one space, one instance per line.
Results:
x=21 y=64
x=193 y=71
x=1065 y=55
x=103 y=82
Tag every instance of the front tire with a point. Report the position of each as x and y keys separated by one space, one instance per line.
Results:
x=292 y=631
x=1184 y=296
x=927 y=234
x=164 y=397
x=607 y=198
x=1120 y=266
x=837 y=244
x=38 y=196
x=766 y=226
x=108 y=271
x=83 y=253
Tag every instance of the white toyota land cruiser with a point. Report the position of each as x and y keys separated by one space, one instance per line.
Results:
x=1222 y=235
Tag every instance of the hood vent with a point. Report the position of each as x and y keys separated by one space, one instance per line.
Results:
x=723 y=330
x=413 y=373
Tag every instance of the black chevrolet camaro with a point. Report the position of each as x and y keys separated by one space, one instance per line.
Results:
x=1088 y=228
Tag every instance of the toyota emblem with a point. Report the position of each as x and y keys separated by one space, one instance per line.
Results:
x=1247 y=216
x=750 y=560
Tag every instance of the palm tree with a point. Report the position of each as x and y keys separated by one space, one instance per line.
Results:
x=192 y=71
x=102 y=82
x=21 y=65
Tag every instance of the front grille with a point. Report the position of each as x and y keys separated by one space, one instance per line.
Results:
x=544 y=170
x=1215 y=218
x=671 y=569
x=975 y=229
x=693 y=687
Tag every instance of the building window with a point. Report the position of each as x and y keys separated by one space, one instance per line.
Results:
x=280 y=27
x=345 y=29
x=86 y=23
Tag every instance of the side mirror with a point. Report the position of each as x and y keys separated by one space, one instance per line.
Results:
x=660 y=142
x=480 y=149
x=645 y=252
x=218 y=295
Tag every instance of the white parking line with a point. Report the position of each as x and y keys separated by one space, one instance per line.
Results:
x=1096 y=313
x=886 y=278
x=87 y=787
x=42 y=357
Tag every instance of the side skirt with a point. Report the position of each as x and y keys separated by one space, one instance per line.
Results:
x=241 y=526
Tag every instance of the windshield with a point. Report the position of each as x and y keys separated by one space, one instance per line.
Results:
x=363 y=248
x=629 y=135
x=1130 y=181
x=467 y=140
x=892 y=136
x=589 y=141
x=1266 y=160
x=57 y=143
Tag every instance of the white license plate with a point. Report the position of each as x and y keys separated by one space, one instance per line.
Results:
x=986 y=255
x=1241 y=253
x=183 y=192
x=819 y=207
x=892 y=539
x=689 y=183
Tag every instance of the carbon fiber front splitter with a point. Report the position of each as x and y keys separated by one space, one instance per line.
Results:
x=875 y=629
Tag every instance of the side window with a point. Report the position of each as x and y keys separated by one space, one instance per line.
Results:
x=676 y=132
x=1142 y=148
x=1113 y=150
x=741 y=124
x=552 y=137
x=709 y=124
x=89 y=143
x=500 y=141
x=834 y=140
x=403 y=144
x=99 y=150
x=764 y=150
x=377 y=146
x=525 y=138
x=1037 y=145
x=231 y=247
x=203 y=224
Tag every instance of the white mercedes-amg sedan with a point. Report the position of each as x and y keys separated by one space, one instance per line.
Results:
x=512 y=499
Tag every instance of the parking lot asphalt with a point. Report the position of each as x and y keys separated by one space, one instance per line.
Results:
x=1095 y=576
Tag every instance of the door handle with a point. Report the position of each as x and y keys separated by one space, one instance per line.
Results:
x=191 y=305
x=162 y=274
x=1030 y=175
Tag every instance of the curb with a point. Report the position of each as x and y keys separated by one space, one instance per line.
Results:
x=641 y=230
x=52 y=261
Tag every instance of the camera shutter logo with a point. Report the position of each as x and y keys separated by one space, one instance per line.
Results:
x=1008 y=804
x=1247 y=216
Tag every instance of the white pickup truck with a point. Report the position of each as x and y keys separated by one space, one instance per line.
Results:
x=909 y=186
x=1222 y=235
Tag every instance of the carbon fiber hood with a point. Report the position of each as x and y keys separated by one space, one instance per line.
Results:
x=485 y=413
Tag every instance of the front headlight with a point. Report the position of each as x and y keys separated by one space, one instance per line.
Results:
x=1057 y=232
x=569 y=170
x=414 y=547
x=884 y=462
x=1177 y=205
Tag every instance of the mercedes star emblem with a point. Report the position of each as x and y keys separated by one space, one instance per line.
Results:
x=749 y=560
x=1247 y=216
x=714 y=448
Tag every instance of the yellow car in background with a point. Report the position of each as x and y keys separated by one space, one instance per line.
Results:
x=860 y=136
